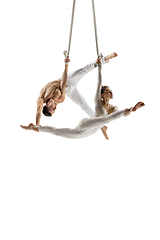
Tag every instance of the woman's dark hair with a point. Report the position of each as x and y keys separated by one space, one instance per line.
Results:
x=103 y=88
x=45 y=112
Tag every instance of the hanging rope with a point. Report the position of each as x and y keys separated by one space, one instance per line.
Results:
x=98 y=109
x=99 y=55
x=66 y=53
x=71 y=28
x=95 y=27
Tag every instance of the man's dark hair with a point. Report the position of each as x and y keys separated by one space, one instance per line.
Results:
x=103 y=88
x=45 y=112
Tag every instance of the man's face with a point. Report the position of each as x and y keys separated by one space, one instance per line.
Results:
x=51 y=105
x=107 y=94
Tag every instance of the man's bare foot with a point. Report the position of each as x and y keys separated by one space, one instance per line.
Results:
x=112 y=55
x=133 y=109
x=106 y=136
x=104 y=130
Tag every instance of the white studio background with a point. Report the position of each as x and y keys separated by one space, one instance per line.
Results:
x=91 y=188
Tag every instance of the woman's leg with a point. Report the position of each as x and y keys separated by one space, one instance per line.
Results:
x=98 y=122
x=61 y=132
x=88 y=124
x=85 y=128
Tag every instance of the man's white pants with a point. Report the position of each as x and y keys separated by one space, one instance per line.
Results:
x=72 y=91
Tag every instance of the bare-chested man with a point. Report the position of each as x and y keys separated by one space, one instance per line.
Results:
x=52 y=94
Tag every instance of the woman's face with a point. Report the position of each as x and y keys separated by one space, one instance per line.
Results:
x=107 y=94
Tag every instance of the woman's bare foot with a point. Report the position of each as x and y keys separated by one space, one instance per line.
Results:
x=133 y=109
x=31 y=126
x=137 y=106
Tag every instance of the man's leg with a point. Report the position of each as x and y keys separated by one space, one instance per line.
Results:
x=77 y=98
x=74 y=94
x=74 y=77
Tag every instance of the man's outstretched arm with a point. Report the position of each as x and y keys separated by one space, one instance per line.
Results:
x=40 y=103
x=64 y=81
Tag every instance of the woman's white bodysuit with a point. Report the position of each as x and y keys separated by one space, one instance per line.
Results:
x=87 y=126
